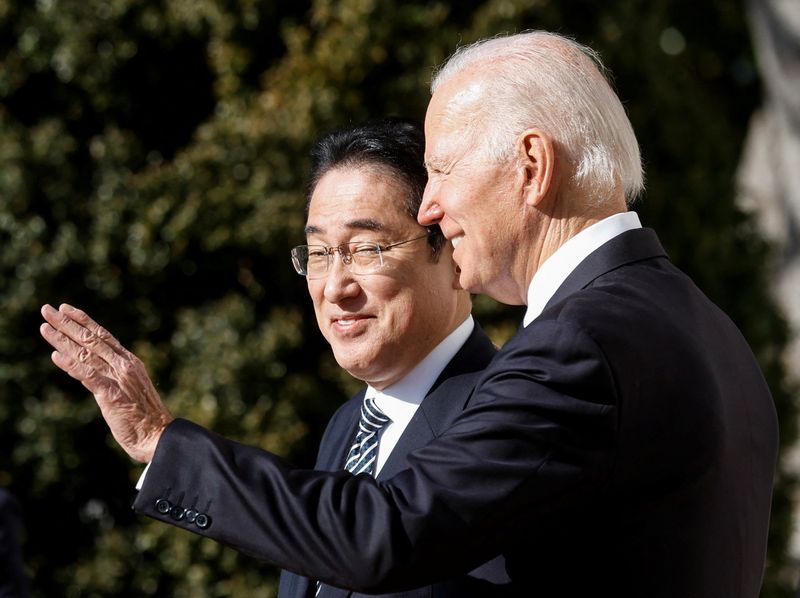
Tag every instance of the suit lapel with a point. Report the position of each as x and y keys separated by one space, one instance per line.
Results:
x=631 y=246
x=418 y=433
x=336 y=443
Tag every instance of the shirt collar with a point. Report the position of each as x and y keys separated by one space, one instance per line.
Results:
x=400 y=400
x=554 y=271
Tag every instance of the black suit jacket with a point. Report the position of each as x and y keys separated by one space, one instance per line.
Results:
x=623 y=444
x=445 y=399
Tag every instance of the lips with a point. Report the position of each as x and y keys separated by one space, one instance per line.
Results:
x=350 y=323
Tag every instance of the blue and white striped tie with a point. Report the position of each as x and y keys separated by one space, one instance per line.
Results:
x=362 y=455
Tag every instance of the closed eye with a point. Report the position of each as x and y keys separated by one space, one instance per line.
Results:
x=436 y=167
x=365 y=249
x=317 y=252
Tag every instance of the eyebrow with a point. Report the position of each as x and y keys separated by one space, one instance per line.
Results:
x=359 y=224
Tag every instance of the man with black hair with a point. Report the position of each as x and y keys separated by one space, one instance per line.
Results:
x=386 y=296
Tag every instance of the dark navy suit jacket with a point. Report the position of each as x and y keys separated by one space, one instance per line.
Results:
x=623 y=444
x=445 y=399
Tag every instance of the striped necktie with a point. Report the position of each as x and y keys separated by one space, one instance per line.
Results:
x=362 y=455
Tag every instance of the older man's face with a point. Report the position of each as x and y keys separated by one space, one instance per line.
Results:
x=477 y=201
x=379 y=325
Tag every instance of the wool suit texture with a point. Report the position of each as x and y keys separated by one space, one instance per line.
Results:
x=444 y=400
x=623 y=443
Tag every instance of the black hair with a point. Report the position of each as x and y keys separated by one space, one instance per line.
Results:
x=393 y=144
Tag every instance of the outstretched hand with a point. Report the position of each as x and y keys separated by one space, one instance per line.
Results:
x=117 y=378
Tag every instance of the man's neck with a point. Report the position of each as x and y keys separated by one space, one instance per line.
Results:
x=555 y=270
x=417 y=379
x=567 y=218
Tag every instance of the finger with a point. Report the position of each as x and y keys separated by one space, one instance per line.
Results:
x=94 y=382
x=67 y=347
x=63 y=323
x=81 y=335
x=100 y=332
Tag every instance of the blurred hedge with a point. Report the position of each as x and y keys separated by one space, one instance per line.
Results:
x=152 y=163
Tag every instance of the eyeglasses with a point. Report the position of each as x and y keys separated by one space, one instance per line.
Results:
x=314 y=261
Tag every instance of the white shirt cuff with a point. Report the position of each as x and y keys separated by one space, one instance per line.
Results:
x=140 y=483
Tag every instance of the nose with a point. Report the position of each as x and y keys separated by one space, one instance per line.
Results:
x=430 y=212
x=340 y=284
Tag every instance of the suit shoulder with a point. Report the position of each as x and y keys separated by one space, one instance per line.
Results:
x=348 y=412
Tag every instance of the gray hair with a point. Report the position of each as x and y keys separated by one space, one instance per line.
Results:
x=540 y=79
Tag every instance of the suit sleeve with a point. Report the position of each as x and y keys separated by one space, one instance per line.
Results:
x=539 y=434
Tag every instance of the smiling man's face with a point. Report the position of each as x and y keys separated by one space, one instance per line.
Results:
x=477 y=201
x=379 y=325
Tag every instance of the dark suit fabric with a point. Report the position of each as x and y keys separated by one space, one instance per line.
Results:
x=446 y=398
x=13 y=583
x=623 y=444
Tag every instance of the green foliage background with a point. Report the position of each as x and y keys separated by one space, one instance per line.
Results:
x=152 y=164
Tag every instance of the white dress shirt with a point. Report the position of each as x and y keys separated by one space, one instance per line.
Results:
x=555 y=269
x=401 y=400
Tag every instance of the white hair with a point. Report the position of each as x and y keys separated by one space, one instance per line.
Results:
x=544 y=80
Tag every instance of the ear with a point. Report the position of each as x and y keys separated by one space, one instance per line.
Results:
x=537 y=154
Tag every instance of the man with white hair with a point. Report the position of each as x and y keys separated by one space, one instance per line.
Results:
x=622 y=443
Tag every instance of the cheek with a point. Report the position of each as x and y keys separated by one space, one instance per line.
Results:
x=383 y=288
x=315 y=291
x=396 y=306
x=420 y=293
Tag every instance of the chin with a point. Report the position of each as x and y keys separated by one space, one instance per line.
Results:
x=357 y=366
x=468 y=284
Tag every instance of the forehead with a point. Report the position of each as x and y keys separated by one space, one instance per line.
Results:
x=363 y=198
x=454 y=108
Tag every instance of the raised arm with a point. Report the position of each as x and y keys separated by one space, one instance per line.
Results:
x=117 y=378
x=538 y=436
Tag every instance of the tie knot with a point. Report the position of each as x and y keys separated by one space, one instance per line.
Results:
x=361 y=458
x=372 y=418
